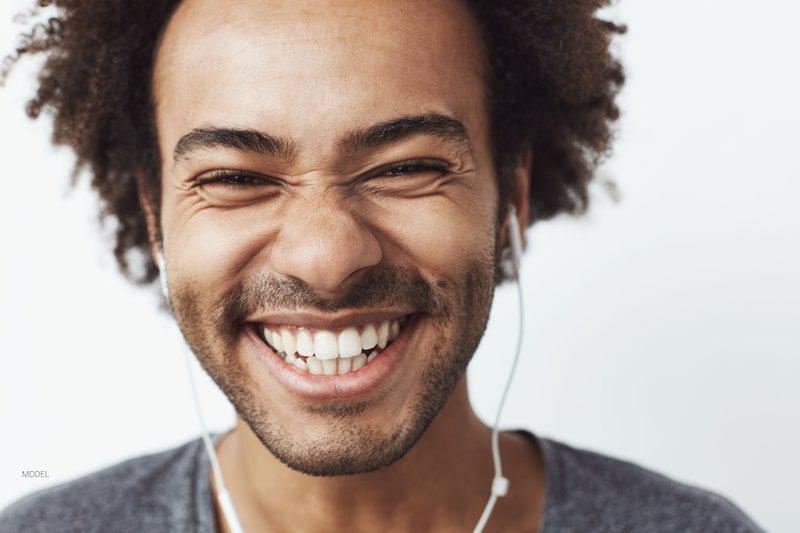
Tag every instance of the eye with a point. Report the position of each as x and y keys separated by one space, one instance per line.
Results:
x=227 y=178
x=410 y=175
x=414 y=166
x=412 y=178
x=233 y=187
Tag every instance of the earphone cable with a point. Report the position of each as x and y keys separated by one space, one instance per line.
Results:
x=500 y=483
x=223 y=497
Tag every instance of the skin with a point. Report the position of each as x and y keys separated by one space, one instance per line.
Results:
x=313 y=74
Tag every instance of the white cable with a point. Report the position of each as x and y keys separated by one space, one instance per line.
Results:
x=223 y=498
x=500 y=483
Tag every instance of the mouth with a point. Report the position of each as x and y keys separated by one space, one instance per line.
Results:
x=331 y=363
x=331 y=352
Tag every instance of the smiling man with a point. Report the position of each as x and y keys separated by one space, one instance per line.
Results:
x=325 y=189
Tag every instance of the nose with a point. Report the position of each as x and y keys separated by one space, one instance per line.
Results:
x=323 y=244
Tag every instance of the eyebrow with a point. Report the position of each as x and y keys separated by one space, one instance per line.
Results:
x=243 y=140
x=261 y=143
x=435 y=124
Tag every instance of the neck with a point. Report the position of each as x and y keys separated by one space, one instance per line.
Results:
x=270 y=496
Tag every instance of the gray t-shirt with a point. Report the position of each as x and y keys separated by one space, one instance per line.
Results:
x=170 y=492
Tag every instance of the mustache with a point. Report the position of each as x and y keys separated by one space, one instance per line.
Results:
x=381 y=286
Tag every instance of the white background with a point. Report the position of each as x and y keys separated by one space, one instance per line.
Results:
x=663 y=329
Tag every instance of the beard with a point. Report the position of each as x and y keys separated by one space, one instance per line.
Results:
x=457 y=309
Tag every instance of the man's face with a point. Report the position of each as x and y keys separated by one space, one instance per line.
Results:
x=327 y=177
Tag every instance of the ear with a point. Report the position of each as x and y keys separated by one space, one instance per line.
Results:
x=153 y=235
x=520 y=190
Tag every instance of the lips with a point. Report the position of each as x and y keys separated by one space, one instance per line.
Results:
x=318 y=363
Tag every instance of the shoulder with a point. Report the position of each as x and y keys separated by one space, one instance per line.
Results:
x=590 y=491
x=137 y=495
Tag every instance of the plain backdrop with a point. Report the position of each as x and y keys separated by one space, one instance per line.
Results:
x=662 y=329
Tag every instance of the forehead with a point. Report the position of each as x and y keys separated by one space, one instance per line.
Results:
x=314 y=68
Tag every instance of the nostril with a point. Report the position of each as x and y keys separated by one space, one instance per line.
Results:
x=330 y=254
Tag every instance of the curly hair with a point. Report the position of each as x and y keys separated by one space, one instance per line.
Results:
x=551 y=87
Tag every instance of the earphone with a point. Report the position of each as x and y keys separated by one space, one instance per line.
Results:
x=515 y=231
x=162 y=274
x=500 y=483
x=223 y=497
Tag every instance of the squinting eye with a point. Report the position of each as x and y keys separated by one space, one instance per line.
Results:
x=413 y=178
x=405 y=169
x=228 y=188
x=412 y=167
x=230 y=179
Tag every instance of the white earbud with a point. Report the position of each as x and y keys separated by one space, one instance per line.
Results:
x=511 y=255
x=162 y=274
x=515 y=231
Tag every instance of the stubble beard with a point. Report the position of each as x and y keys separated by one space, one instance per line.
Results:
x=458 y=311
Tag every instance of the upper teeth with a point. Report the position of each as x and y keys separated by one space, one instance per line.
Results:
x=329 y=344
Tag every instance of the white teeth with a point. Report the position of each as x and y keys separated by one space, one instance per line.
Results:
x=314 y=365
x=277 y=341
x=383 y=334
x=305 y=344
x=369 y=337
x=267 y=336
x=330 y=366
x=345 y=365
x=287 y=339
x=359 y=361
x=349 y=343
x=325 y=345
x=332 y=352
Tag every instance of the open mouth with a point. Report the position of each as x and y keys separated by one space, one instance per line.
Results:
x=331 y=352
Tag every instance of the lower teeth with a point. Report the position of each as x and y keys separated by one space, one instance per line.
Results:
x=326 y=366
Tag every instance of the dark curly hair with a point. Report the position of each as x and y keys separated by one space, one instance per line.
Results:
x=552 y=87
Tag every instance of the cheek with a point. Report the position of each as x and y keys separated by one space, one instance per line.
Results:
x=440 y=234
x=212 y=248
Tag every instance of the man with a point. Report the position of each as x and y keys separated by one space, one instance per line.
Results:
x=325 y=189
